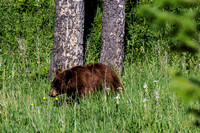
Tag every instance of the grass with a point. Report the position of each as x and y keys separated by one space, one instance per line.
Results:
x=23 y=107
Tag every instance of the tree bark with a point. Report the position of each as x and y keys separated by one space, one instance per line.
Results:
x=68 y=35
x=113 y=30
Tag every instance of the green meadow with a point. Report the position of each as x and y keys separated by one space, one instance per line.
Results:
x=26 y=107
x=148 y=104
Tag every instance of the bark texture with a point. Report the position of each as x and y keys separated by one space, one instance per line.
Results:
x=68 y=35
x=113 y=30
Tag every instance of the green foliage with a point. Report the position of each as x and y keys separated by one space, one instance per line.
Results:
x=180 y=16
x=141 y=36
x=93 y=42
x=1 y=67
x=187 y=89
x=26 y=35
x=182 y=21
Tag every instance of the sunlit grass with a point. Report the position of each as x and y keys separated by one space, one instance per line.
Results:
x=147 y=104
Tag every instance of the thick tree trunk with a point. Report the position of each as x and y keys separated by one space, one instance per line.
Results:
x=113 y=27
x=68 y=35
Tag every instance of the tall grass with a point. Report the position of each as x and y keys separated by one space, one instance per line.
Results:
x=26 y=107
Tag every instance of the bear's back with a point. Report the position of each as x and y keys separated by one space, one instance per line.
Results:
x=105 y=75
x=92 y=76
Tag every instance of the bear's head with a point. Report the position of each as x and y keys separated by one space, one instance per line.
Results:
x=60 y=83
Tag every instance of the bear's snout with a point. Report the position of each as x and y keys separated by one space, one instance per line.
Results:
x=50 y=94
x=53 y=93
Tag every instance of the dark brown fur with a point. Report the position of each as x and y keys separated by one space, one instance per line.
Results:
x=84 y=80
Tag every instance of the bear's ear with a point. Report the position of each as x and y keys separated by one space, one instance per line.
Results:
x=58 y=71
x=68 y=76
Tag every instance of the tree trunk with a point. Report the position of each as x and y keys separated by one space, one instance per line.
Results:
x=68 y=35
x=113 y=27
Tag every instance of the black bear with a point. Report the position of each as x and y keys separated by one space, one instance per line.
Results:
x=82 y=80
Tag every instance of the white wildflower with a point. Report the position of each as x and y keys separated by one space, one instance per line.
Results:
x=105 y=98
x=156 y=81
x=145 y=85
x=145 y=100
x=61 y=120
x=157 y=95
x=117 y=97
x=119 y=88
x=107 y=89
